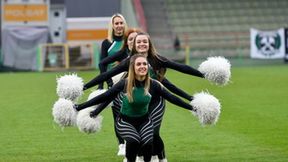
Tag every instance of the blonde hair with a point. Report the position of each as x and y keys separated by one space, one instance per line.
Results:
x=110 y=26
x=131 y=78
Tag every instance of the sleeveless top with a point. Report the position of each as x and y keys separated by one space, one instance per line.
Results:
x=114 y=48
x=140 y=104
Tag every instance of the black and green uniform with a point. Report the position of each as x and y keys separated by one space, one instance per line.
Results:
x=157 y=107
x=109 y=49
x=117 y=57
x=134 y=124
x=140 y=115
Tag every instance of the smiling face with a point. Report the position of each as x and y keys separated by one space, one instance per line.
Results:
x=142 y=44
x=118 y=26
x=141 y=68
x=130 y=40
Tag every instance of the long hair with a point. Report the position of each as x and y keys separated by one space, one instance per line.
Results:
x=131 y=78
x=126 y=35
x=151 y=51
x=153 y=56
x=110 y=26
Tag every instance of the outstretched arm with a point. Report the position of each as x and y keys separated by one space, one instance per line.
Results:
x=119 y=56
x=180 y=67
x=108 y=96
x=160 y=90
x=123 y=66
x=171 y=87
x=104 y=48
x=99 y=108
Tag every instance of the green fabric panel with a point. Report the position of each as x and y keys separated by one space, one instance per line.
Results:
x=152 y=74
x=96 y=55
x=139 y=106
x=115 y=47
x=38 y=59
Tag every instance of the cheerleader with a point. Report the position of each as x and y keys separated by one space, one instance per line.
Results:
x=118 y=57
x=143 y=45
x=134 y=123
x=113 y=43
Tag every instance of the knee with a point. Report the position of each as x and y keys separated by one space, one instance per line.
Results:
x=156 y=137
x=132 y=142
x=147 y=141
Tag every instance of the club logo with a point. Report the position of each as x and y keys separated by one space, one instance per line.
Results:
x=268 y=44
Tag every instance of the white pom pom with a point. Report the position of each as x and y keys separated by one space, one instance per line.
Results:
x=70 y=87
x=63 y=112
x=87 y=124
x=216 y=69
x=207 y=108
x=118 y=77
x=96 y=93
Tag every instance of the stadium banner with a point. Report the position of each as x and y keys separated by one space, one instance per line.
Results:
x=267 y=44
x=20 y=46
x=286 y=45
x=25 y=13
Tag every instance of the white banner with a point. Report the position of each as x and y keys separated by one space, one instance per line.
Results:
x=267 y=44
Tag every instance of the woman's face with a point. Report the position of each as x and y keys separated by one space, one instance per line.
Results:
x=141 y=67
x=130 y=40
x=142 y=44
x=118 y=26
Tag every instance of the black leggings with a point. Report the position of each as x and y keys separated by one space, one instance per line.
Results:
x=138 y=134
x=156 y=111
x=117 y=102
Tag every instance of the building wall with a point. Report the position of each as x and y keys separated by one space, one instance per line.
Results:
x=92 y=8
x=0 y=25
x=87 y=8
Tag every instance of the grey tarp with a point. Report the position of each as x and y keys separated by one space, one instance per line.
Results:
x=19 y=46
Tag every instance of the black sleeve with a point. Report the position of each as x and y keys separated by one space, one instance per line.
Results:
x=104 y=49
x=123 y=66
x=160 y=90
x=100 y=108
x=119 y=56
x=180 y=67
x=171 y=87
x=104 y=53
x=108 y=96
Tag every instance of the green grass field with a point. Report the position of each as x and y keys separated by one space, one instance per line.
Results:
x=252 y=126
